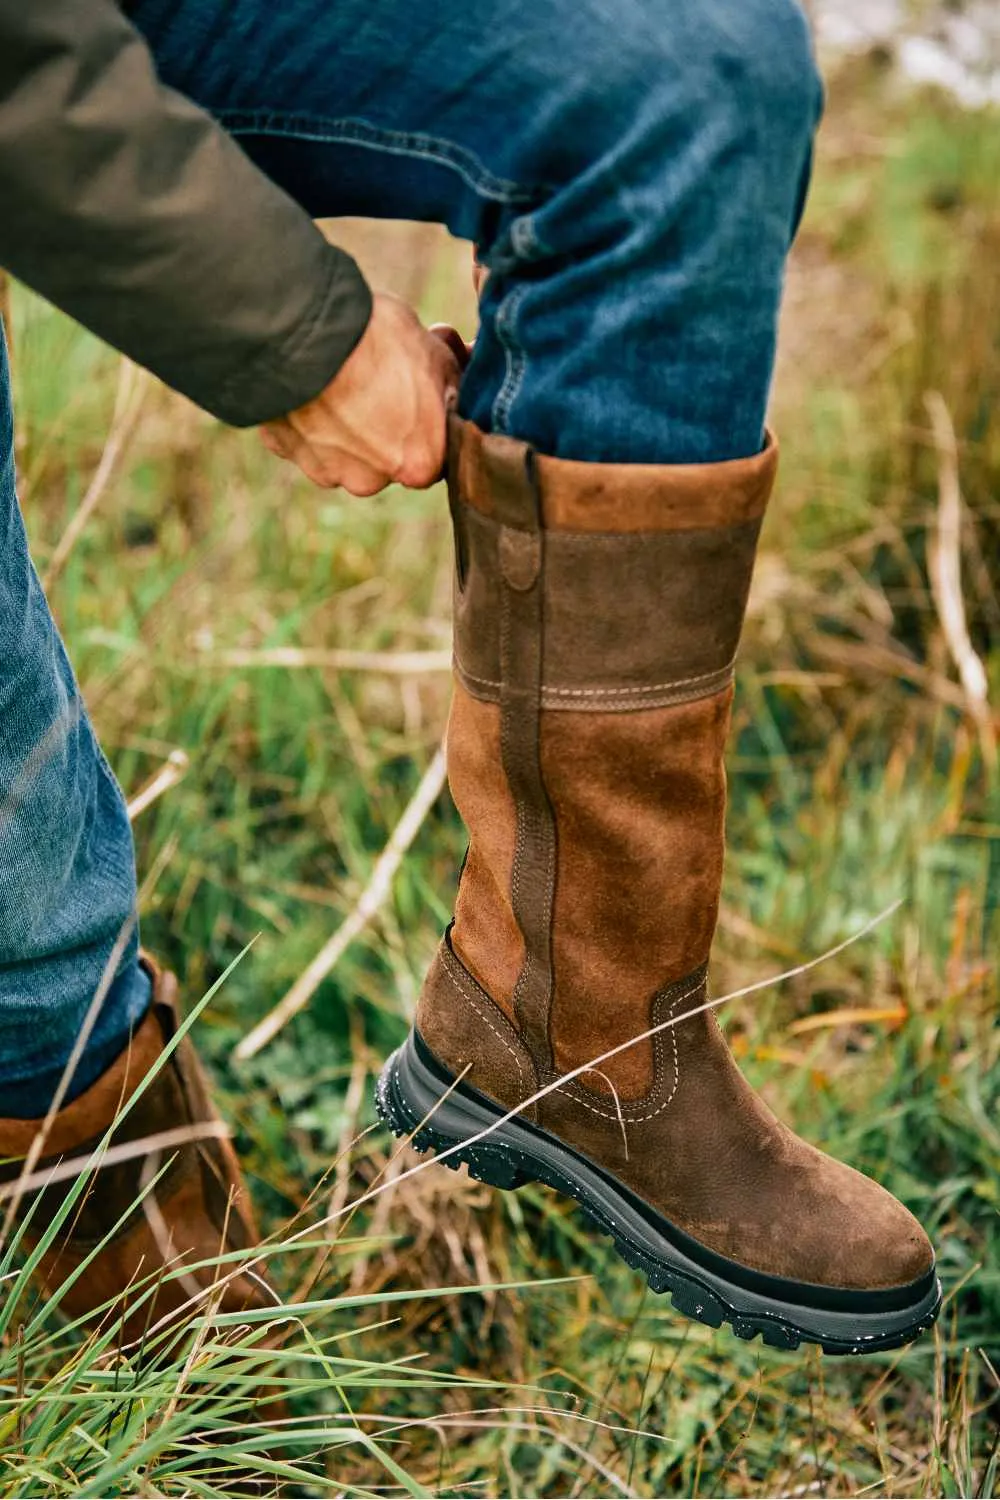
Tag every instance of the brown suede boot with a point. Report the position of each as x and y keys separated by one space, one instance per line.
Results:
x=197 y=1209
x=597 y=613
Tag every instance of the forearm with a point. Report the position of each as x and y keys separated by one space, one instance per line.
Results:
x=133 y=211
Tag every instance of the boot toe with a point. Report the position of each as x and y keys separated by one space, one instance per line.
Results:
x=841 y=1230
x=817 y=1222
x=885 y=1245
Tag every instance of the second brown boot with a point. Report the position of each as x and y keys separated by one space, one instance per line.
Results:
x=597 y=614
x=142 y=1237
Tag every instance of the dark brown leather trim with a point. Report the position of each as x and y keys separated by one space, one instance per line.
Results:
x=631 y=621
x=469 y=1032
x=617 y=497
x=520 y=565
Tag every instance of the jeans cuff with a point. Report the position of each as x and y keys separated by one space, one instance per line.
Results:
x=125 y=1005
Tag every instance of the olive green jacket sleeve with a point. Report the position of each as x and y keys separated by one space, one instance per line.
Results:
x=129 y=208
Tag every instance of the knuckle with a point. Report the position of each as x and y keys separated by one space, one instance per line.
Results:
x=321 y=475
x=362 y=485
x=324 y=475
x=419 y=473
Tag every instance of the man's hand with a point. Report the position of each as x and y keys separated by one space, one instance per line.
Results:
x=383 y=415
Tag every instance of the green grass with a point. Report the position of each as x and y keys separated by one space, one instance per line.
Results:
x=856 y=780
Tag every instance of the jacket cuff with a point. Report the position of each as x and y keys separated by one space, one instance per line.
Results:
x=288 y=374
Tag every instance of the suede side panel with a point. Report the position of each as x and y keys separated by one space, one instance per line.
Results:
x=639 y=801
x=485 y=936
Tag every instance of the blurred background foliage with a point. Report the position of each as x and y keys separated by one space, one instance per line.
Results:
x=860 y=773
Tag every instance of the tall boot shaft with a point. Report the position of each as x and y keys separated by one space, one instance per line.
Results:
x=597 y=614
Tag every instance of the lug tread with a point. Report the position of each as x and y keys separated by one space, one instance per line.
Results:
x=498 y=1166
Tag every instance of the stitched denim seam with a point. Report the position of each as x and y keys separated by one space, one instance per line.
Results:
x=505 y=324
x=361 y=133
x=525 y=239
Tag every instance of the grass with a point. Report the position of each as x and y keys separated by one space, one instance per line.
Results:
x=450 y=1341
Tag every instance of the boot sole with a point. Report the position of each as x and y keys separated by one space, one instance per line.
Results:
x=417 y=1096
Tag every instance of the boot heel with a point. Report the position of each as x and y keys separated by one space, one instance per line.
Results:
x=495 y=1164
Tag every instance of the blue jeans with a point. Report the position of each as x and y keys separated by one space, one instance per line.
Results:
x=67 y=868
x=632 y=171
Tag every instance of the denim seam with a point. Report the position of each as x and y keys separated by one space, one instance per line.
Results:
x=76 y=700
x=115 y=787
x=505 y=324
x=361 y=133
x=525 y=239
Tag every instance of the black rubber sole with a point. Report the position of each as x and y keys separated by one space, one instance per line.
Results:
x=416 y=1096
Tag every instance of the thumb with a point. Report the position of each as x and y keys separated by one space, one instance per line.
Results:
x=453 y=340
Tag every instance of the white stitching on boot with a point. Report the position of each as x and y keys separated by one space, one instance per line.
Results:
x=607 y=692
x=484 y=1017
x=632 y=1119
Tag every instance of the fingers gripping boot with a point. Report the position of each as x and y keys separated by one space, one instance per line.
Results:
x=598 y=610
x=165 y=1196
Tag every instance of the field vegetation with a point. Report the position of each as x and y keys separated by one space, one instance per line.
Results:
x=267 y=668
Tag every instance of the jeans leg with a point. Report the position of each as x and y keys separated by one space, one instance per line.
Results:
x=632 y=170
x=67 y=866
